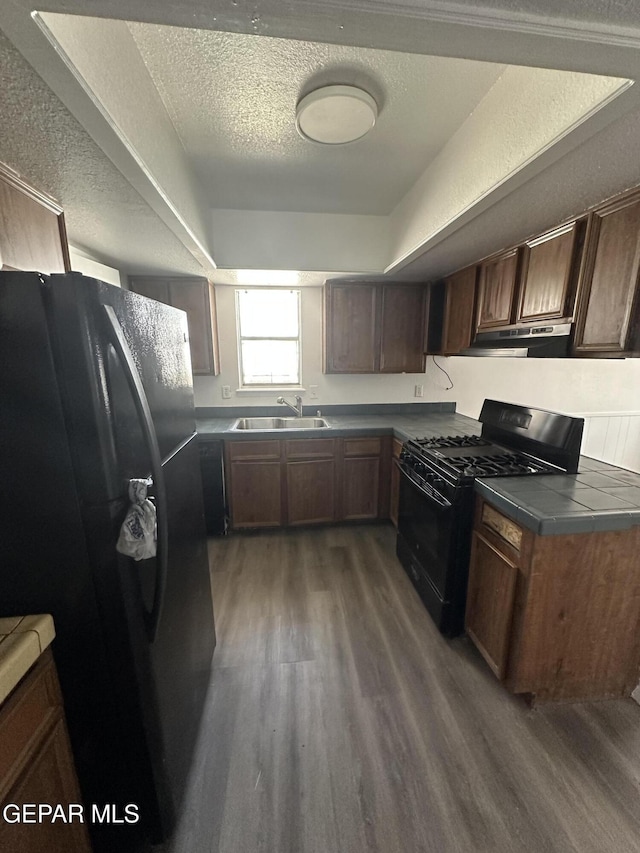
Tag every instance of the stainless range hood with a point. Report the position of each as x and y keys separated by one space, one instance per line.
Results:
x=527 y=342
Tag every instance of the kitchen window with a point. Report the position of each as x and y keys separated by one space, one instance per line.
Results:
x=268 y=336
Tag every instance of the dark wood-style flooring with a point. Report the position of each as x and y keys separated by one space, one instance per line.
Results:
x=340 y=721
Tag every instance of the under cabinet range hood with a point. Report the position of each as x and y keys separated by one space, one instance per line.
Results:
x=551 y=341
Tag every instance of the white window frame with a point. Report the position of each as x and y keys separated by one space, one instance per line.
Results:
x=252 y=386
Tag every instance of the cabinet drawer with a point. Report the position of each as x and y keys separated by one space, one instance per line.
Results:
x=26 y=716
x=309 y=448
x=254 y=450
x=505 y=528
x=362 y=446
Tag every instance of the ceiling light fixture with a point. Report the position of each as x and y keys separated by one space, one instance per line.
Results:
x=335 y=115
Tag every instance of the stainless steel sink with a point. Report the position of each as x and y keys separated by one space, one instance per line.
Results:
x=303 y=423
x=280 y=423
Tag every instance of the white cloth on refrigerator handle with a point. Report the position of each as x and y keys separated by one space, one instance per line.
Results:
x=137 y=537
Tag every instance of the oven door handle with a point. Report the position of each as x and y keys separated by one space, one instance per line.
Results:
x=424 y=489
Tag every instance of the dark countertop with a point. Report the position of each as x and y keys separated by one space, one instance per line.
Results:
x=402 y=426
x=600 y=497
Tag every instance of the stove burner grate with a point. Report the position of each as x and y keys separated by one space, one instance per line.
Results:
x=453 y=441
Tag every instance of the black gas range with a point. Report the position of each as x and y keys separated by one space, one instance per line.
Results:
x=436 y=493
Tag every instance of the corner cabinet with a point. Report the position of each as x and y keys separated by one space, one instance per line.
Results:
x=374 y=328
x=608 y=317
x=555 y=617
x=195 y=296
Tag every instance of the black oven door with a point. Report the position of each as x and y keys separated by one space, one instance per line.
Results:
x=433 y=548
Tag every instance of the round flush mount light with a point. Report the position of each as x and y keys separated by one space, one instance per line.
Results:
x=335 y=115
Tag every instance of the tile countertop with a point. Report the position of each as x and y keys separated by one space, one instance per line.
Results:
x=22 y=641
x=599 y=497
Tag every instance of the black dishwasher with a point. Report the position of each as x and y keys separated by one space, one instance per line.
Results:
x=215 y=509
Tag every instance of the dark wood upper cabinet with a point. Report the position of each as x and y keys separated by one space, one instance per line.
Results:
x=497 y=285
x=351 y=328
x=195 y=296
x=32 y=232
x=374 y=327
x=547 y=276
x=451 y=313
x=403 y=321
x=608 y=316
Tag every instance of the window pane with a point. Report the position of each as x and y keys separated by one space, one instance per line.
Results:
x=270 y=362
x=268 y=313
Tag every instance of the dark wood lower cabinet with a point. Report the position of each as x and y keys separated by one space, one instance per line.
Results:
x=557 y=616
x=274 y=483
x=36 y=765
x=394 y=482
x=255 y=494
x=492 y=584
x=361 y=479
x=254 y=483
x=310 y=491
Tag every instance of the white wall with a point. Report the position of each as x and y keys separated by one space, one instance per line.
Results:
x=604 y=391
x=330 y=389
x=268 y=239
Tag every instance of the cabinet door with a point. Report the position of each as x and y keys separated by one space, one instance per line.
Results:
x=255 y=494
x=547 y=276
x=608 y=321
x=360 y=488
x=403 y=329
x=490 y=597
x=48 y=778
x=460 y=300
x=351 y=328
x=32 y=232
x=310 y=491
x=396 y=447
x=498 y=279
x=196 y=298
x=152 y=288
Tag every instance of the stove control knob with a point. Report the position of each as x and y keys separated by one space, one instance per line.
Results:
x=438 y=481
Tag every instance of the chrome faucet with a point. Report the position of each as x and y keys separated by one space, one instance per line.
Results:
x=297 y=408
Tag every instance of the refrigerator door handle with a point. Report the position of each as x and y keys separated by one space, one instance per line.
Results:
x=152 y=616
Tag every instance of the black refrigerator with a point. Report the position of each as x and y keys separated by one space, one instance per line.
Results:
x=96 y=389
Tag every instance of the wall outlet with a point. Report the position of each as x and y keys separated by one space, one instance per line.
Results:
x=418 y=391
x=226 y=392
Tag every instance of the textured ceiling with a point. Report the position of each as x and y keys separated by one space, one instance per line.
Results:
x=43 y=142
x=109 y=218
x=232 y=98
